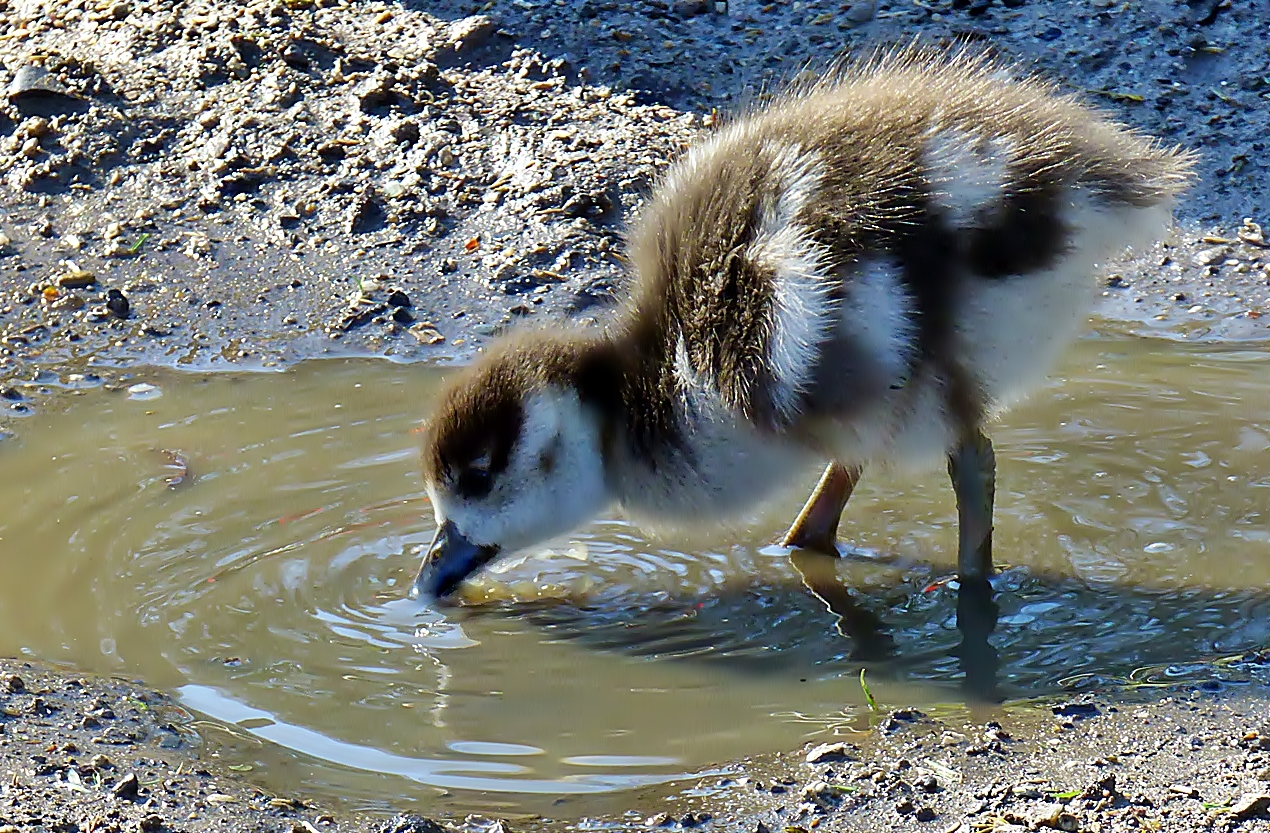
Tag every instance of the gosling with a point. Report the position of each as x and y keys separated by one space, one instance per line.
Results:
x=866 y=271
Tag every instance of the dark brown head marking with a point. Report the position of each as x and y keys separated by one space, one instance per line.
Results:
x=469 y=440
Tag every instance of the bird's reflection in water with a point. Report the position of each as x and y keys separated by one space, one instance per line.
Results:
x=977 y=614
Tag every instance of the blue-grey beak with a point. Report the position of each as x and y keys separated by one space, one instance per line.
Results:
x=450 y=559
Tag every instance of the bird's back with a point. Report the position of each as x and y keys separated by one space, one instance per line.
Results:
x=815 y=258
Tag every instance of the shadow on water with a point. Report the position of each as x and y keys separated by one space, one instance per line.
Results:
x=1023 y=634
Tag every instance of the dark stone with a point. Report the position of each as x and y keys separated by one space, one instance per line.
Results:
x=332 y=151
x=1105 y=788
x=402 y=315
x=520 y=284
x=117 y=303
x=127 y=787
x=588 y=204
x=1075 y=710
x=924 y=814
x=467 y=34
x=1205 y=12
x=406 y=133
x=689 y=8
x=397 y=298
x=36 y=92
x=294 y=57
x=1251 y=805
x=367 y=215
x=41 y=707
x=358 y=316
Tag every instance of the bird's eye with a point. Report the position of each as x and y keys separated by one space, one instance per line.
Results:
x=475 y=482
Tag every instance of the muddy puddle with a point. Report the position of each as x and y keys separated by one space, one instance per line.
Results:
x=246 y=540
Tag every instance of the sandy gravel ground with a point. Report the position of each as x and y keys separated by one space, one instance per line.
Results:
x=1177 y=758
x=249 y=182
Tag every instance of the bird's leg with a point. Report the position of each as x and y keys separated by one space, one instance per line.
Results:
x=973 y=469
x=816 y=527
x=977 y=614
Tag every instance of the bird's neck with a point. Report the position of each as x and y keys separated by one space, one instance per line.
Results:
x=671 y=450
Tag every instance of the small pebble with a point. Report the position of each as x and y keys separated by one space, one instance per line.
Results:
x=1250 y=805
x=426 y=334
x=76 y=279
x=127 y=787
x=861 y=11
x=117 y=303
x=32 y=81
x=144 y=392
x=829 y=753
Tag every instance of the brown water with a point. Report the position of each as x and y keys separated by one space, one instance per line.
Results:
x=268 y=587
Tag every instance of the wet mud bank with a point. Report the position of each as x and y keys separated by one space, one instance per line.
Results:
x=1149 y=756
x=247 y=184
x=235 y=182
x=91 y=754
x=84 y=753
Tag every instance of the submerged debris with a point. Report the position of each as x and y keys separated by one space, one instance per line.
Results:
x=179 y=465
